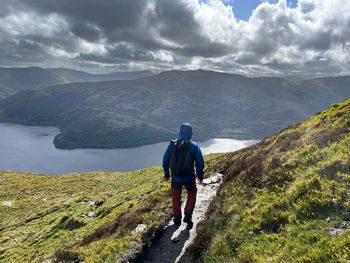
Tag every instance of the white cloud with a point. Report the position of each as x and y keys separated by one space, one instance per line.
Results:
x=297 y=38
x=162 y=55
x=217 y=21
x=24 y=23
x=312 y=38
x=92 y=48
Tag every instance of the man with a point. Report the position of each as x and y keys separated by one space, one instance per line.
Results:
x=189 y=179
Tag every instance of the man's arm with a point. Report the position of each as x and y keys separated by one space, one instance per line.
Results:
x=199 y=164
x=166 y=162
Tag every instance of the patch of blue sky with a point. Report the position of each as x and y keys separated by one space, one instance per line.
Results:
x=243 y=9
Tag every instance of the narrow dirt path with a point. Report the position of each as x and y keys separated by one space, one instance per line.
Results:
x=173 y=241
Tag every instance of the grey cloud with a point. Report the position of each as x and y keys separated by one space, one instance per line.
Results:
x=59 y=41
x=246 y=58
x=307 y=7
x=4 y=10
x=119 y=54
x=279 y=65
x=318 y=65
x=28 y=47
x=106 y=14
x=92 y=20
x=86 y=31
x=175 y=22
x=204 y=50
x=99 y=59
x=317 y=41
x=132 y=22
x=272 y=31
x=167 y=34
x=25 y=52
x=263 y=48
x=9 y=6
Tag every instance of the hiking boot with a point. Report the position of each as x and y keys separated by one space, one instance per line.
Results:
x=177 y=220
x=189 y=222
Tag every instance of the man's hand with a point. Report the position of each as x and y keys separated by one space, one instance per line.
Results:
x=166 y=178
x=200 y=181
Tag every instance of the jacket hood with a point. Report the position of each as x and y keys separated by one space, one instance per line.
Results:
x=185 y=132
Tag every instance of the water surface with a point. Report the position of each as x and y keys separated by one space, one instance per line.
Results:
x=30 y=148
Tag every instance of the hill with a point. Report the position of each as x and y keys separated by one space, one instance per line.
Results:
x=285 y=199
x=85 y=216
x=81 y=76
x=131 y=113
x=13 y=80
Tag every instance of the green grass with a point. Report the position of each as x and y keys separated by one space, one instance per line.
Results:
x=46 y=219
x=277 y=195
x=271 y=207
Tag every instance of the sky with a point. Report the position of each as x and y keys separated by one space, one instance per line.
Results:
x=303 y=38
x=243 y=9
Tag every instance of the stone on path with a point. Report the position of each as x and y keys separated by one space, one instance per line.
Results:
x=7 y=203
x=139 y=228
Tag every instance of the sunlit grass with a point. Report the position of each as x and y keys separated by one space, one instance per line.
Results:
x=49 y=214
x=284 y=199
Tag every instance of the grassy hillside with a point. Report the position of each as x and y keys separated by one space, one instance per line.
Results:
x=85 y=216
x=49 y=216
x=285 y=199
x=136 y=112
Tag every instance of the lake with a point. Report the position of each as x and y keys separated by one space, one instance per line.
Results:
x=30 y=148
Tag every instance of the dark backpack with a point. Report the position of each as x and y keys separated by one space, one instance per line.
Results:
x=181 y=163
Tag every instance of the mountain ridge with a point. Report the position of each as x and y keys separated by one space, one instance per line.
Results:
x=131 y=113
x=13 y=80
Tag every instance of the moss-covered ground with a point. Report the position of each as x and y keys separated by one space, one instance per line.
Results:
x=285 y=199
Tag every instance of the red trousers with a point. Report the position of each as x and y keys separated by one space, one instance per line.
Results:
x=176 y=189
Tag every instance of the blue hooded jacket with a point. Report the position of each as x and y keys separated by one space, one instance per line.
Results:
x=185 y=134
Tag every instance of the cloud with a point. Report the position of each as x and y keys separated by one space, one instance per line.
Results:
x=312 y=38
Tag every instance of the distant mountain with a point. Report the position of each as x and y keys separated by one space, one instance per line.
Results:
x=80 y=76
x=149 y=110
x=13 y=80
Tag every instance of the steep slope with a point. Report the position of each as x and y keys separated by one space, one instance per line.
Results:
x=13 y=80
x=148 y=110
x=285 y=199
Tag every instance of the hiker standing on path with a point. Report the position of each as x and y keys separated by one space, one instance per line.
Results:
x=180 y=157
